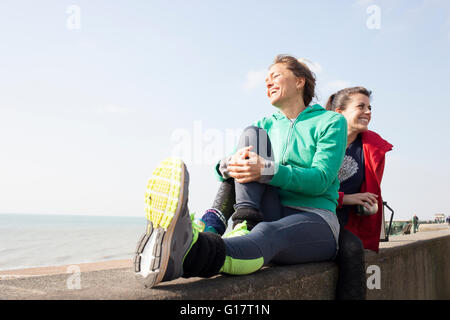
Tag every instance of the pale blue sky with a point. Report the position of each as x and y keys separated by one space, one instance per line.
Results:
x=86 y=114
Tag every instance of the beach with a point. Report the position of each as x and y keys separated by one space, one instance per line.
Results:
x=65 y=269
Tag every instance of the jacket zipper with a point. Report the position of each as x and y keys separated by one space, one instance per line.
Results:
x=283 y=160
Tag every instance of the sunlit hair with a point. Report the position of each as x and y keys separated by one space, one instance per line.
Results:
x=341 y=98
x=300 y=70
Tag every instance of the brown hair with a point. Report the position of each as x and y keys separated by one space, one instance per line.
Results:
x=341 y=98
x=300 y=70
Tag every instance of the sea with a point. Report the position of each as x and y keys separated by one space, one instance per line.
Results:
x=32 y=240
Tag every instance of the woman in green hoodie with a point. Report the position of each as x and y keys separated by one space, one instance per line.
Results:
x=285 y=172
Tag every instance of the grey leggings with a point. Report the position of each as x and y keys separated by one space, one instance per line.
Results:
x=286 y=235
x=298 y=237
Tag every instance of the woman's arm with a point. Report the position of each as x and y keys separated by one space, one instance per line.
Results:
x=221 y=169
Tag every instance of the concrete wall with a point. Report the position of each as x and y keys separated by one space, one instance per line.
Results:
x=415 y=266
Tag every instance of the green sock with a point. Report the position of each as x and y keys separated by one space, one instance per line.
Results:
x=241 y=266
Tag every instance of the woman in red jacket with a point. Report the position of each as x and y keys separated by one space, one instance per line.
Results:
x=360 y=204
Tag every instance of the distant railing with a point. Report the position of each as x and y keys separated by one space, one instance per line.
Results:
x=397 y=227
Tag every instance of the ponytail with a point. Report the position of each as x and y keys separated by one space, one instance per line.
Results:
x=329 y=105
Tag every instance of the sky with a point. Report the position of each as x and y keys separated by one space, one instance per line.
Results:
x=94 y=94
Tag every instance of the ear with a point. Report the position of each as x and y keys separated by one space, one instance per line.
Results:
x=300 y=83
x=338 y=110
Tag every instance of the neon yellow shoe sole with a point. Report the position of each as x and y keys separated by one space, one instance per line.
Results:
x=169 y=229
x=163 y=192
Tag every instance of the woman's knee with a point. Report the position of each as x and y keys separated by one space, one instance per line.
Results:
x=250 y=135
x=252 y=128
x=259 y=139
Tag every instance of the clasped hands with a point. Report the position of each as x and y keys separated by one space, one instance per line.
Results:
x=245 y=165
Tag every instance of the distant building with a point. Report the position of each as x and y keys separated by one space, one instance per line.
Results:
x=439 y=217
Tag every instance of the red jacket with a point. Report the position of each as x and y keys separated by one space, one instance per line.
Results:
x=368 y=228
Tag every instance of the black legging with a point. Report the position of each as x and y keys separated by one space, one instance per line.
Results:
x=351 y=284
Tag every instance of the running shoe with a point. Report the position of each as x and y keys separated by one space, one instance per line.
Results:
x=239 y=230
x=161 y=250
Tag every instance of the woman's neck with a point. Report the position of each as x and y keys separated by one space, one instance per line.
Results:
x=292 y=109
x=351 y=136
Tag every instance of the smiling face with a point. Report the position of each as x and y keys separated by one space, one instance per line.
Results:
x=282 y=85
x=357 y=112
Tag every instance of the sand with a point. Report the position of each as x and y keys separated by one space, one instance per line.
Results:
x=72 y=268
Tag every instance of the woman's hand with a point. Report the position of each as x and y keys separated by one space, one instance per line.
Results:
x=245 y=166
x=366 y=199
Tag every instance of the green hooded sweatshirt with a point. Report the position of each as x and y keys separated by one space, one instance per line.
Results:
x=308 y=153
